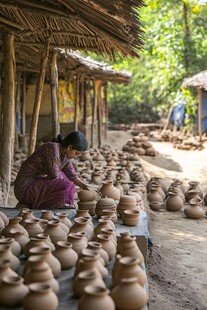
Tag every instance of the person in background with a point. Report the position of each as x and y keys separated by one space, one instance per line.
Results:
x=47 y=178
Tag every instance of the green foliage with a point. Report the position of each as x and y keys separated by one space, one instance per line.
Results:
x=174 y=48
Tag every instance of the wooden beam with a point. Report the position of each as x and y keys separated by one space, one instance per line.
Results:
x=200 y=131
x=77 y=102
x=58 y=32
x=10 y=23
x=54 y=94
x=38 y=98
x=52 y=45
x=8 y=126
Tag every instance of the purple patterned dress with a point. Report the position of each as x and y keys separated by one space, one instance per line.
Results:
x=45 y=179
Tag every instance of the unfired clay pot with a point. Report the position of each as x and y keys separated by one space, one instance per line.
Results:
x=194 y=210
x=65 y=254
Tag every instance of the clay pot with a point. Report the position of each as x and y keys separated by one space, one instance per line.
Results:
x=78 y=241
x=130 y=217
x=174 y=202
x=12 y=291
x=6 y=253
x=104 y=204
x=40 y=297
x=128 y=268
x=19 y=236
x=102 y=223
x=194 y=210
x=154 y=194
x=97 y=246
x=33 y=227
x=107 y=245
x=126 y=202
x=47 y=215
x=27 y=215
x=111 y=213
x=109 y=190
x=121 y=240
x=4 y=218
x=55 y=231
x=82 y=224
x=15 y=246
x=5 y=269
x=129 y=294
x=96 y=297
x=83 y=213
x=129 y=247
x=85 y=278
x=87 y=195
x=63 y=217
x=46 y=239
x=155 y=205
x=65 y=254
x=52 y=261
x=32 y=243
x=15 y=224
x=87 y=205
x=40 y=271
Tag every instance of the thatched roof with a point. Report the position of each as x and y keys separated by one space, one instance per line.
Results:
x=197 y=80
x=104 y=26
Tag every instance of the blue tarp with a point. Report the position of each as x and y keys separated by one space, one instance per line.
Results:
x=204 y=112
x=178 y=115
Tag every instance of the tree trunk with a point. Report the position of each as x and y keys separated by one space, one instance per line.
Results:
x=54 y=94
x=38 y=97
x=8 y=108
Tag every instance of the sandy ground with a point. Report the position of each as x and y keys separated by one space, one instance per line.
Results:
x=177 y=266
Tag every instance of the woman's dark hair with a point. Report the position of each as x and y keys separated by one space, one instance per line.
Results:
x=76 y=139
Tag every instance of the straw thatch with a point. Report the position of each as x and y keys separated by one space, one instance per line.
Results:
x=105 y=26
x=197 y=80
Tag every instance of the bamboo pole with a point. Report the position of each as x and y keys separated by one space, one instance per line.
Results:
x=38 y=97
x=24 y=105
x=54 y=94
x=8 y=126
x=76 y=102
x=106 y=109
x=200 y=113
x=99 y=108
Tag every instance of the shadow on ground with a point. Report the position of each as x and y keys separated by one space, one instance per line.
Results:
x=163 y=162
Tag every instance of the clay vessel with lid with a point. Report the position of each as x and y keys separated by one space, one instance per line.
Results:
x=65 y=254
x=5 y=269
x=14 y=223
x=55 y=231
x=85 y=278
x=6 y=253
x=40 y=297
x=129 y=294
x=40 y=271
x=82 y=224
x=87 y=205
x=194 y=210
x=95 y=297
x=127 y=202
x=12 y=291
x=105 y=204
x=129 y=267
x=48 y=257
x=78 y=241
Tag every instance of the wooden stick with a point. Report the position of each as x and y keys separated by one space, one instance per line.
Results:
x=38 y=97
x=8 y=128
x=54 y=94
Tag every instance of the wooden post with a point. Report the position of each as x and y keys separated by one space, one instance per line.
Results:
x=85 y=94
x=94 y=111
x=99 y=108
x=24 y=105
x=8 y=125
x=106 y=109
x=38 y=97
x=200 y=113
x=17 y=102
x=76 y=103
x=168 y=117
x=54 y=94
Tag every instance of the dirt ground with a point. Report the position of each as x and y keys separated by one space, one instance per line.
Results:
x=177 y=266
